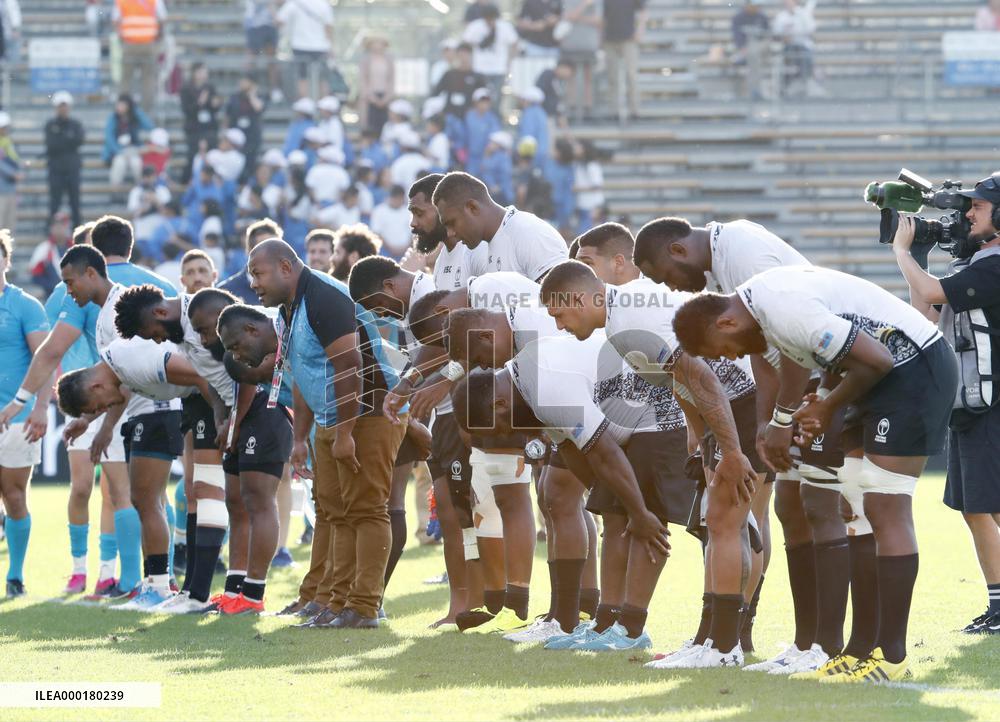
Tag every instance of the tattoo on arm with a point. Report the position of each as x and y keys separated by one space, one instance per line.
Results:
x=710 y=398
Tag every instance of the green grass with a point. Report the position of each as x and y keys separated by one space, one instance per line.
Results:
x=244 y=668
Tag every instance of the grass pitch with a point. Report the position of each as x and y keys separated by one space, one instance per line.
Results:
x=245 y=668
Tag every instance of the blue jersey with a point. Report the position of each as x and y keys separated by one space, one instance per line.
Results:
x=497 y=172
x=20 y=314
x=80 y=354
x=535 y=122
x=478 y=129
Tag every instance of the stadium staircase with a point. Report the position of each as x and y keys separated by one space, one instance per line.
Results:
x=701 y=150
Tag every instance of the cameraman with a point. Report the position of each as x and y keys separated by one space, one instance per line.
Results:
x=968 y=299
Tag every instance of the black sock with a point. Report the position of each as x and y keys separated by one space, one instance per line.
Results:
x=707 y=602
x=864 y=596
x=205 y=557
x=397 y=523
x=605 y=617
x=253 y=591
x=493 y=599
x=802 y=580
x=993 y=595
x=192 y=544
x=896 y=577
x=569 y=572
x=726 y=621
x=833 y=579
x=156 y=564
x=589 y=598
x=749 y=614
x=516 y=598
x=553 y=589
x=633 y=619
x=234 y=583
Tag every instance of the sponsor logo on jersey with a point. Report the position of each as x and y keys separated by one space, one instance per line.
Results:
x=456 y=470
x=137 y=432
x=882 y=431
x=199 y=429
x=817 y=443
x=824 y=343
x=251 y=445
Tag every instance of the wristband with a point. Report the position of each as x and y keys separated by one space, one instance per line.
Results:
x=822 y=392
x=22 y=397
x=781 y=419
x=413 y=377
x=786 y=409
x=453 y=371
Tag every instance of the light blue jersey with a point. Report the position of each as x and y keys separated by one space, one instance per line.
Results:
x=20 y=314
x=80 y=355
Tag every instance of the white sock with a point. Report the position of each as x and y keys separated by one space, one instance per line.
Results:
x=80 y=565
x=108 y=569
x=180 y=536
x=160 y=582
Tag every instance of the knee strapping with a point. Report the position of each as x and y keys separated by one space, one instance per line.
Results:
x=211 y=474
x=213 y=512
x=470 y=544
x=850 y=475
x=876 y=480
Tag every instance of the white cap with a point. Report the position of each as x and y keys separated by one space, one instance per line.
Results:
x=160 y=137
x=211 y=226
x=330 y=103
x=331 y=154
x=450 y=44
x=4 y=119
x=297 y=157
x=315 y=134
x=408 y=138
x=502 y=138
x=433 y=106
x=401 y=107
x=534 y=94
x=236 y=136
x=213 y=158
x=274 y=158
x=481 y=94
x=306 y=106
x=60 y=97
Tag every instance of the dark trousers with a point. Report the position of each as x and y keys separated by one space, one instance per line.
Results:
x=65 y=182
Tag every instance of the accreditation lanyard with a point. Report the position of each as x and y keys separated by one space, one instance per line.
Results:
x=284 y=339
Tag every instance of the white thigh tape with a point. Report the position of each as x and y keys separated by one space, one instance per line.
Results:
x=211 y=474
x=485 y=512
x=497 y=469
x=876 y=480
x=471 y=545
x=213 y=512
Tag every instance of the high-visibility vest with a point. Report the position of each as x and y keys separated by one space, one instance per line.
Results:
x=138 y=24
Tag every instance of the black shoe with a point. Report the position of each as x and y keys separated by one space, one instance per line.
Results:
x=311 y=609
x=472 y=618
x=291 y=609
x=350 y=619
x=307 y=536
x=15 y=588
x=180 y=558
x=320 y=620
x=977 y=624
x=992 y=625
x=382 y=616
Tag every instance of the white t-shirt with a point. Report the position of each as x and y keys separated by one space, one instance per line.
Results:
x=327 y=181
x=639 y=323
x=589 y=181
x=135 y=195
x=525 y=244
x=405 y=169
x=493 y=59
x=813 y=315
x=306 y=22
x=392 y=225
x=170 y=270
x=439 y=151
x=741 y=250
x=230 y=164
x=498 y=291
x=141 y=366
x=337 y=215
x=214 y=372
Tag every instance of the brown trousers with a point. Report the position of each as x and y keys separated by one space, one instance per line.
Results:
x=352 y=536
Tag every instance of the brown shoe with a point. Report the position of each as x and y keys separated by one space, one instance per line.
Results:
x=292 y=609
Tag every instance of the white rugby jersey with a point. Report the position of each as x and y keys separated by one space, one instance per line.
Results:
x=741 y=250
x=500 y=290
x=453 y=268
x=214 y=372
x=525 y=244
x=813 y=315
x=141 y=366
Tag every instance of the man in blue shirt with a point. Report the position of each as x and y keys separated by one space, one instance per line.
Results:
x=341 y=373
x=239 y=283
x=22 y=329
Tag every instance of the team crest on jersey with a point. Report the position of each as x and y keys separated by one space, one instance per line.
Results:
x=137 y=432
x=456 y=470
x=817 y=443
x=882 y=430
x=199 y=429
x=251 y=445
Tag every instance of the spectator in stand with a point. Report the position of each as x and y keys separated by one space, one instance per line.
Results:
x=350 y=245
x=330 y=122
x=312 y=141
x=498 y=170
x=260 y=197
x=140 y=28
x=63 y=138
x=10 y=175
x=345 y=213
x=751 y=33
x=213 y=241
x=588 y=183
x=552 y=83
x=438 y=145
x=446 y=62
x=411 y=163
x=534 y=122
x=319 y=250
x=10 y=31
x=327 y=179
x=376 y=82
x=476 y=10
x=749 y=21
x=276 y=161
x=371 y=150
x=44 y=261
x=624 y=27
x=207 y=185
x=170 y=267
x=156 y=152
x=580 y=46
x=173 y=228
x=145 y=202
x=123 y=140
x=480 y=122
x=244 y=112
x=494 y=41
x=297 y=202
x=262 y=42
x=309 y=25
x=560 y=175
x=200 y=105
x=364 y=181
x=400 y=115
x=537 y=27
x=228 y=160
x=988 y=17
x=391 y=223
x=532 y=190
x=458 y=84
x=795 y=24
x=305 y=113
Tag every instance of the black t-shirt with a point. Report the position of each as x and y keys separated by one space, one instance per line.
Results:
x=619 y=19
x=978 y=286
x=539 y=10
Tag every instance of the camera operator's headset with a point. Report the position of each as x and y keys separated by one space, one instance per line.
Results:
x=988 y=189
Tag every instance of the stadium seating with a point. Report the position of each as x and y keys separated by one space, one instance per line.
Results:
x=797 y=164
